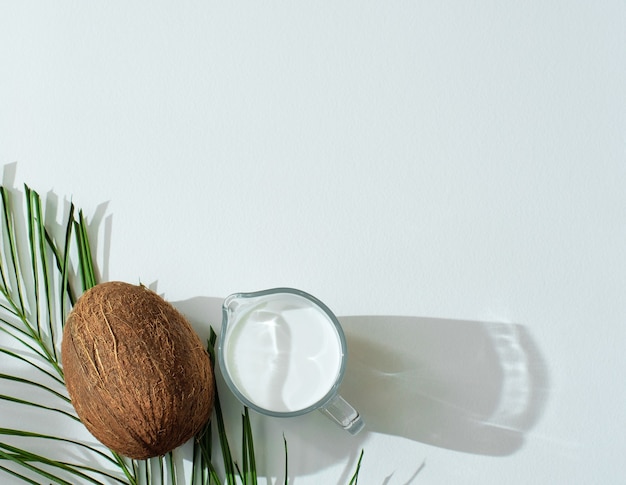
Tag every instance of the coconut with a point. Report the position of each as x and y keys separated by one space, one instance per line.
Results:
x=137 y=374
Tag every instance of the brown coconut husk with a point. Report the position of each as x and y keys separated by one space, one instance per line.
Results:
x=137 y=374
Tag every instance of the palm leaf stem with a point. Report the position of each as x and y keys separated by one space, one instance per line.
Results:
x=18 y=475
x=26 y=330
x=32 y=434
x=28 y=382
x=86 y=263
x=286 y=460
x=171 y=467
x=161 y=471
x=250 y=476
x=67 y=466
x=33 y=259
x=135 y=465
x=19 y=460
x=16 y=328
x=65 y=262
x=96 y=471
x=203 y=471
x=119 y=459
x=60 y=264
x=32 y=364
x=45 y=269
x=355 y=478
x=9 y=225
x=229 y=465
x=212 y=471
x=17 y=400
x=24 y=458
x=29 y=331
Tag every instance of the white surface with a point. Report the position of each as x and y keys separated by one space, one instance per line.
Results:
x=463 y=161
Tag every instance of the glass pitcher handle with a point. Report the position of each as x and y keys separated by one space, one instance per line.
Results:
x=342 y=413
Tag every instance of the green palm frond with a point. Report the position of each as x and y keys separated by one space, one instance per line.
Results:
x=42 y=272
x=36 y=291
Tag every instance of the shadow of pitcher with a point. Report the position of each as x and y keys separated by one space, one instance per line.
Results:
x=469 y=386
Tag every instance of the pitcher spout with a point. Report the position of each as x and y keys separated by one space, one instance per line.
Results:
x=230 y=306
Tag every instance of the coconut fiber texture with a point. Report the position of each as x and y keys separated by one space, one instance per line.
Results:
x=138 y=375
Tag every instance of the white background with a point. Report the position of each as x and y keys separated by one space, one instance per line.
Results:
x=419 y=166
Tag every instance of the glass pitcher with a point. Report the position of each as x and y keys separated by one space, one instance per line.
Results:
x=283 y=353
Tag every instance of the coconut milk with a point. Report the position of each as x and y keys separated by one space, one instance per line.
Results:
x=283 y=354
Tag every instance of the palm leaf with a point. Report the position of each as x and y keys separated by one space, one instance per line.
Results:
x=38 y=275
x=355 y=478
x=286 y=461
x=249 y=461
x=28 y=283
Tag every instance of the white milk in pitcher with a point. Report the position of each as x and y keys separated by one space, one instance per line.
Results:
x=283 y=354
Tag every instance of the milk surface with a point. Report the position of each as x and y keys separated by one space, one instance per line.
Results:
x=283 y=354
